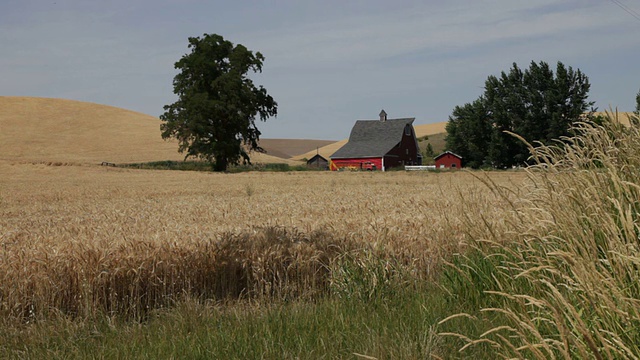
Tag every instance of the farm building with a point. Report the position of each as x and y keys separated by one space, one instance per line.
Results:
x=448 y=160
x=318 y=161
x=378 y=145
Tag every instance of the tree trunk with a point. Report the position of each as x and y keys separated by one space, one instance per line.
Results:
x=221 y=165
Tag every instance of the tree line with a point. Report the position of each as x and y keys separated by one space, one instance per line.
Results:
x=538 y=104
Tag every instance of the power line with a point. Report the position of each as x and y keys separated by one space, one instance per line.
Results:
x=627 y=9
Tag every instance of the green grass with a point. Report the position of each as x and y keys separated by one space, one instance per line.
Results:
x=399 y=326
x=374 y=308
x=171 y=165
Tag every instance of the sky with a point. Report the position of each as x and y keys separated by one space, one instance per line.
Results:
x=327 y=63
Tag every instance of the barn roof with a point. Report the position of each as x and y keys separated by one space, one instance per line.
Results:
x=445 y=153
x=316 y=156
x=373 y=138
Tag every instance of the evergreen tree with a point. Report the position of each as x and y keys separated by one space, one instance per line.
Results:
x=429 y=151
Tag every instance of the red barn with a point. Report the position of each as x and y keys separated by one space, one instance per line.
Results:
x=378 y=145
x=448 y=160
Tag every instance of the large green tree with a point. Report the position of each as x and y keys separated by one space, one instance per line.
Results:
x=536 y=103
x=215 y=116
x=637 y=111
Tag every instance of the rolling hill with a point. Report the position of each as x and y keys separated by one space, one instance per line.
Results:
x=288 y=148
x=67 y=131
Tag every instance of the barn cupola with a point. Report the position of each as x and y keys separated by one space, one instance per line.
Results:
x=383 y=115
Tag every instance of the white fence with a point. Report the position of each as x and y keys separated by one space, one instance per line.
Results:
x=419 y=167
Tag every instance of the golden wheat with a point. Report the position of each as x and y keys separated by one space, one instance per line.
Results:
x=82 y=239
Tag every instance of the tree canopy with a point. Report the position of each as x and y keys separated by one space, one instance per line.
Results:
x=637 y=111
x=536 y=103
x=215 y=116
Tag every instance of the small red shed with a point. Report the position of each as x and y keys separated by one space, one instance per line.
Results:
x=448 y=160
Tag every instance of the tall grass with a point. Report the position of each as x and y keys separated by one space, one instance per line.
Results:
x=564 y=281
x=85 y=281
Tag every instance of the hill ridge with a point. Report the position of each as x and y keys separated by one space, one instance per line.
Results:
x=41 y=129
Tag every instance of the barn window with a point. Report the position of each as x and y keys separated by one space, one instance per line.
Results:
x=453 y=165
x=407 y=130
x=407 y=151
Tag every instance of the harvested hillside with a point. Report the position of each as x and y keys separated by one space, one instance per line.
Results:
x=66 y=131
x=288 y=148
x=324 y=151
x=622 y=117
x=430 y=129
x=437 y=141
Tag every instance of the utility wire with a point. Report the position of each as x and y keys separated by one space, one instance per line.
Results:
x=626 y=8
x=629 y=10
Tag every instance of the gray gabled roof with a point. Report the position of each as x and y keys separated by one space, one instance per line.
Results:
x=318 y=156
x=373 y=138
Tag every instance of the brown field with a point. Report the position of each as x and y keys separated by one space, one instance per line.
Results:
x=74 y=132
x=129 y=239
x=622 y=117
x=325 y=151
x=67 y=131
x=288 y=148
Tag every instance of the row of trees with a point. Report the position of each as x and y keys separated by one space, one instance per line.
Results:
x=537 y=104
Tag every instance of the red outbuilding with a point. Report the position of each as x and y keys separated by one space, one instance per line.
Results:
x=378 y=145
x=448 y=160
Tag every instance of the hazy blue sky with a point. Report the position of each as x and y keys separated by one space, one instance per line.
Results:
x=328 y=63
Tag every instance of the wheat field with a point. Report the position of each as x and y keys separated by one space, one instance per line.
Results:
x=81 y=239
x=88 y=239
